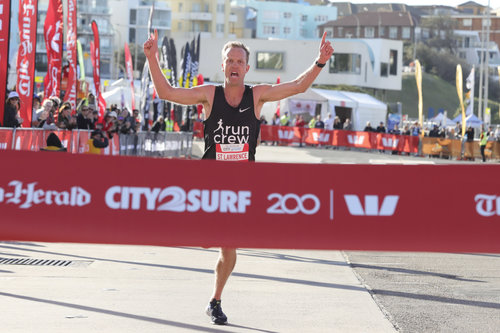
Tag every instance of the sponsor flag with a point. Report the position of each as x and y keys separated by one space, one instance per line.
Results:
x=460 y=93
x=469 y=84
x=53 y=33
x=418 y=77
x=26 y=58
x=71 y=54
x=4 y=52
x=172 y=61
x=80 y=60
x=146 y=80
x=95 y=58
x=130 y=72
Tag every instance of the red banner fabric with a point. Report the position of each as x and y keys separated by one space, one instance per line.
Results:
x=4 y=53
x=316 y=136
x=263 y=209
x=6 y=136
x=53 y=33
x=70 y=95
x=95 y=57
x=130 y=72
x=26 y=58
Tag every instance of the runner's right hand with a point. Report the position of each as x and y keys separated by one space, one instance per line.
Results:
x=151 y=45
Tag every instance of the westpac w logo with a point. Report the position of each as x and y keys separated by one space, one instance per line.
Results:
x=371 y=205
x=389 y=142
x=285 y=135
x=355 y=139
x=321 y=137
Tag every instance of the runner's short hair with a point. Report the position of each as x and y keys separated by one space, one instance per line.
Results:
x=236 y=44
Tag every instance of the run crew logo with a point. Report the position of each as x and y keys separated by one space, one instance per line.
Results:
x=231 y=134
x=29 y=195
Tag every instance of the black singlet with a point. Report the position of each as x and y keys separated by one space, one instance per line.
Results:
x=231 y=132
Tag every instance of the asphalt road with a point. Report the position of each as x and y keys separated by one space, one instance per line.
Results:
x=417 y=292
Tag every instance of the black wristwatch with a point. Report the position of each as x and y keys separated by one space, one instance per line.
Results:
x=320 y=65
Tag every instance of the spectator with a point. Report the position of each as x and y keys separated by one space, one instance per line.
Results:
x=312 y=123
x=36 y=106
x=97 y=141
x=395 y=130
x=337 y=124
x=137 y=120
x=276 y=120
x=53 y=143
x=319 y=123
x=483 y=140
x=415 y=129
x=159 y=125
x=368 y=127
x=347 y=125
x=329 y=122
x=91 y=100
x=127 y=127
x=497 y=133
x=406 y=130
x=11 y=116
x=300 y=123
x=381 y=128
x=109 y=123
x=263 y=120
x=470 y=134
x=65 y=120
x=285 y=119
x=169 y=124
x=85 y=120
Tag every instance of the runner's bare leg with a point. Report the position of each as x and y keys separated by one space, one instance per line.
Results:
x=223 y=269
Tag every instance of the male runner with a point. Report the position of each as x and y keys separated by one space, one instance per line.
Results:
x=232 y=113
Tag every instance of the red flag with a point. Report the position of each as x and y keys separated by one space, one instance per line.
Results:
x=278 y=108
x=130 y=72
x=4 y=52
x=95 y=56
x=26 y=58
x=53 y=33
x=70 y=95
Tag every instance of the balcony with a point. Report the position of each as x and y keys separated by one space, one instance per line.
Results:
x=194 y=16
x=86 y=9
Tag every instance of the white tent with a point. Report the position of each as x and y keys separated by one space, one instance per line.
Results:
x=470 y=120
x=363 y=107
x=114 y=96
x=439 y=120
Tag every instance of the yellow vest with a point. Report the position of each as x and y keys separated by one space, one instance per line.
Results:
x=484 y=138
x=93 y=149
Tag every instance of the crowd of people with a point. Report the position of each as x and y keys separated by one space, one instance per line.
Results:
x=53 y=114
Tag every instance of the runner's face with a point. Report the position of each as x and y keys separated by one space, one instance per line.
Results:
x=235 y=65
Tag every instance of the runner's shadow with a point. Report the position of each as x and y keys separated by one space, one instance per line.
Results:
x=128 y=315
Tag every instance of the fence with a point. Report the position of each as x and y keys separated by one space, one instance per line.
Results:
x=77 y=142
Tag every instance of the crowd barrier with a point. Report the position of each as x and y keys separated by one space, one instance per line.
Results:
x=441 y=147
x=250 y=205
x=77 y=141
x=453 y=148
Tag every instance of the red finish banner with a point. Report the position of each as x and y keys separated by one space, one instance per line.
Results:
x=6 y=139
x=53 y=33
x=4 y=53
x=26 y=58
x=95 y=57
x=130 y=72
x=263 y=209
x=70 y=95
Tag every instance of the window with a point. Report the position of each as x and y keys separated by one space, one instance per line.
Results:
x=270 y=30
x=384 y=69
x=486 y=23
x=329 y=32
x=287 y=15
x=180 y=6
x=340 y=32
x=220 y=8
x=381 y=31
x=303 y=33
x=131 y=35
x=393 y=32
x=133 y=16
x=369 y=32
x=345 y=63
x=393 y=62
x=406 y=33
x=220 y=27
x=467 y=22
x=287 y=30
x=270 y=60
x=304 y=18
